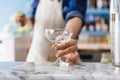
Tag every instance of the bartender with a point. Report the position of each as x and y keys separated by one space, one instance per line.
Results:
x=45 y=14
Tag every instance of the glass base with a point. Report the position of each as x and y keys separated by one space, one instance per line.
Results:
x=116 y=64
x=60 y=63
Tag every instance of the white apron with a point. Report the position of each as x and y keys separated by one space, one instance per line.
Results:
x=48 y=15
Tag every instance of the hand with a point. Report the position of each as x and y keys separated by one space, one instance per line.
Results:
x=68 y=50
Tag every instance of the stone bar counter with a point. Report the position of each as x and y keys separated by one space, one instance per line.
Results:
x=44 y=71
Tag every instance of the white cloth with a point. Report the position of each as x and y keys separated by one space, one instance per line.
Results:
x=48 y=15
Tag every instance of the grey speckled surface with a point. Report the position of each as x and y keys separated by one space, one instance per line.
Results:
x=43 y=71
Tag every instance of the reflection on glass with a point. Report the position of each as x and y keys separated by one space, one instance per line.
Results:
x=59 y=36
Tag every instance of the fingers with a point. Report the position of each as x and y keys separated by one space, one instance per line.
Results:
x=73 y=57
x=66 y=51
x=69 y=60
x=65 y=45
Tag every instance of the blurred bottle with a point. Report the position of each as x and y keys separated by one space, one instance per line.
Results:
x=104 y=25
x=99 y=4
x=93 y=3
x=98 y=26
x=105 y=4
x=91 y=27
x=106 y=57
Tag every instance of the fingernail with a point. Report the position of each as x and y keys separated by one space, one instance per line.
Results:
x=69 y=60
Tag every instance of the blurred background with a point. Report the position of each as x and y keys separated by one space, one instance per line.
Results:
x=93 y=42
x=8 y=8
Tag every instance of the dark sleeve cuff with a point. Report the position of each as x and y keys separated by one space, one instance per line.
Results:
x=73 y=14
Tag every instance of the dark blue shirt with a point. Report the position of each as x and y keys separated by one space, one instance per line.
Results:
x=70 y=8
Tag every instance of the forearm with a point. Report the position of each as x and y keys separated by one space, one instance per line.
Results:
x=74 y=23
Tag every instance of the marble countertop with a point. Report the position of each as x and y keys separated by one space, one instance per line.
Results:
x=43 y=71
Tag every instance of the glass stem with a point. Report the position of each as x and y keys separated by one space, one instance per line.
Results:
x=58 y=62
x=59 y=59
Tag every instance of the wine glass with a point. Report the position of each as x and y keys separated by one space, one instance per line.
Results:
x=59 y=36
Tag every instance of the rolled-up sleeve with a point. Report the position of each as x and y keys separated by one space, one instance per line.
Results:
x=31 y=8
x=76 y=8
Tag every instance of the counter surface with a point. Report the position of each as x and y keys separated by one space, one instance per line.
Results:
x=43 y=71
